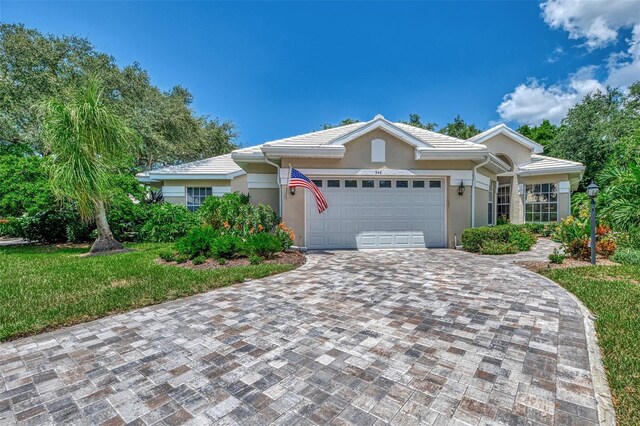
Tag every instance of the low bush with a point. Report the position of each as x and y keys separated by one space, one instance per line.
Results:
x=127 y=218
x=199 y=260
x=167 y=255
x=234 y=214
x=578 y=248
x=606 y=247
x=255 y=260
x=263 y=244
x=197 y=242
x=47 y=226
x=222 y=261
x=557 y=256
x=226 y=246
x=10 y=227
x=537 y=228
x=627 y=256
x=473 y=239
x=181 y=258
x=167 y=223
x=498 y=248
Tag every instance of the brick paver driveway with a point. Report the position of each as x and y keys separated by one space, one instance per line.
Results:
x=404 y=337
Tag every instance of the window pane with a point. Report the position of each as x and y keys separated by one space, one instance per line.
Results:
x=434 y=184
x=368 y=183
x=402 y=184
x=317 y=182
x=350 y=183
x=418 y=184
x=385 y=184
x=545 y=187
x=333 y=183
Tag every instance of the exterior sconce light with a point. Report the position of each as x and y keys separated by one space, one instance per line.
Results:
x=292 y=190
x=461 y=188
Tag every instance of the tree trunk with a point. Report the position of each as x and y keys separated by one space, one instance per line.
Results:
x=105 y=241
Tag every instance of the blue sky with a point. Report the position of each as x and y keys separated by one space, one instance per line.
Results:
x=279 y=69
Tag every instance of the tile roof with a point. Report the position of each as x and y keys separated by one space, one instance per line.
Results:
x=220 y=165
x=542 y=163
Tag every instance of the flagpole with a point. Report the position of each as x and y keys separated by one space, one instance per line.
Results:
x=286 y=194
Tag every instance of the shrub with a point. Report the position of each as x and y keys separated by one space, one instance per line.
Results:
x=222 y=261
x=181 y=258
x=233 y=213
x=226 y=246
x=474 y=238
x=570 y=229
x=78 y=231
x=255 y=260
x=538 y=228
x=10 y=227
x=167 y=256
x=498 y=247
x=197 y=242
x=627 y=256
x=199 y=260
x=606 y=247
x=47 y=226
x=502 y=220
x=167 y=222
x=127 y=218
x=263 y=244
x=285 y=235
x=556 y=257
x=578 y=248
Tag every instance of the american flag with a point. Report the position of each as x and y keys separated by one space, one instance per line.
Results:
x=298 y=179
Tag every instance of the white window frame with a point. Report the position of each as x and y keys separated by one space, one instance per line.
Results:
x=508 y=203
x=541 y=202
x=193 y=206
x=491 y=210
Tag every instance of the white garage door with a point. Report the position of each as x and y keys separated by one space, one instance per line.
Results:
x=377 y=213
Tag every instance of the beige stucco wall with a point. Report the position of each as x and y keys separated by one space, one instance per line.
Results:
x=501 y=144
x=239 y=184
x=531 y=180
x=293 y=212
x=458 y=213
x=482 y=214
x=267 y=196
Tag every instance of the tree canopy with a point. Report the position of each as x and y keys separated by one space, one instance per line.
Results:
x=35 y=67
x=544 y=133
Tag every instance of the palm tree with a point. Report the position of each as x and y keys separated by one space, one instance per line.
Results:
x=620 y=199
x=86 y=140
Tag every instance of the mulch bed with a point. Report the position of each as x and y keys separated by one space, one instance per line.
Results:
x=289 y=257
x=535 y=266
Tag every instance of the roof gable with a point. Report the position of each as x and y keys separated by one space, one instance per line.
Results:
x=379 y=122
x=503 y=129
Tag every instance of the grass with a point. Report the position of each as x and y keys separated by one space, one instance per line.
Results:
x=612 y=293
x=44 y=287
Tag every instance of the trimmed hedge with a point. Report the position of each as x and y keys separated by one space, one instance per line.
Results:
x=473 y=239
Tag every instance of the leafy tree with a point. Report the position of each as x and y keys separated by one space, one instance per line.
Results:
x=593 y=128
x=87 y=141
x=35 y=67
x=414 y=120
x=460 y=129
x=544 y=134
x=344 y=122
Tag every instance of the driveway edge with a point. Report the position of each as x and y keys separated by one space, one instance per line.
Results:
x=606 y=412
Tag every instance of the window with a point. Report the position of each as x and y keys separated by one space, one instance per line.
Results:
x=377 y=151
x=333 y=183
x=435 y=184
x=504 y=194
x=541 y=202
x=384 y=184
x=492 y=194
x=402 y=184
x=368 y=183
x=195 y=196
x=317 y=182
x=418 y=184
x=350 y=183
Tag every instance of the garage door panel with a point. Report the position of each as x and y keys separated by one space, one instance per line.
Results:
x=377 y=218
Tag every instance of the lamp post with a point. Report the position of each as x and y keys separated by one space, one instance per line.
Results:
x=592 y=192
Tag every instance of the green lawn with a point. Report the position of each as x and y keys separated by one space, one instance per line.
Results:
x=46 y=287
x=612 y=293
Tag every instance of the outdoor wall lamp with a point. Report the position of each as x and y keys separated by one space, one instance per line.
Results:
x=292 y=190
x=592 y=192
x=461 y=188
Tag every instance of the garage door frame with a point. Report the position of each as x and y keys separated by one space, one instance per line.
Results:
x=309 y=203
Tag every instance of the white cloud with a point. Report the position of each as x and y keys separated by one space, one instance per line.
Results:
x=533 y=102
x=598 y=23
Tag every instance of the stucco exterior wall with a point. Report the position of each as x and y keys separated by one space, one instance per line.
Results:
x=267 y=196
x=482 y=212
x=458 y=213
x=239 y=184
x=293 y=212
x=501 y=144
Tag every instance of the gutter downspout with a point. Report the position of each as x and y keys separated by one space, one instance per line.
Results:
x=266 y=159
x=473 y=190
